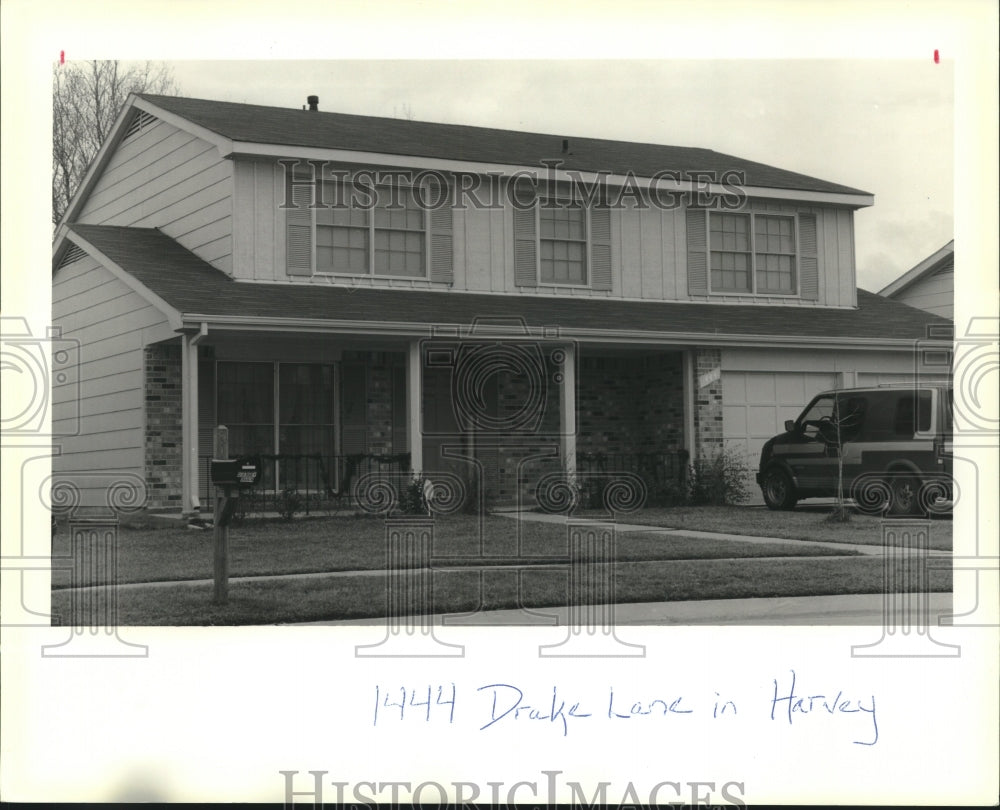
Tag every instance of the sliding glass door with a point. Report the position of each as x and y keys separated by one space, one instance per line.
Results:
x=302 y=411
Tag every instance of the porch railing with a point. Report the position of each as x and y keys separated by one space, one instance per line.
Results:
x=326 y=483
x=319 y=482
x=660 y=472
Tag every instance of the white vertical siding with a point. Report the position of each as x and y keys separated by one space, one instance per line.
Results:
x=847 y=287
x=648 y=248
x=501 y=250
x=652 y=265
x=477 y=247
x=165 y=178
x=630 y=250
x=98 y=413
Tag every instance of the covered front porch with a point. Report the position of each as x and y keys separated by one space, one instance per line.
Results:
x=500 y=410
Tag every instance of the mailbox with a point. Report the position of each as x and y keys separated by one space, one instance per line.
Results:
x=240 y=472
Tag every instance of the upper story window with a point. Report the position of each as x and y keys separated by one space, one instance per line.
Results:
x=387 y=239
x=752 y=253
x=399 y=235
x=562 y=244
x=390 y=231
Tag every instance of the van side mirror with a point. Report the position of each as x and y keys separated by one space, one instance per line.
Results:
x=789 y=425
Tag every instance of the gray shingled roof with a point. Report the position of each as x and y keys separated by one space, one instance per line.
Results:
x=193 y=286
x=290 y=127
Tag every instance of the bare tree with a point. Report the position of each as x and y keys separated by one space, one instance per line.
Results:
x=841 y=426
x=404 y=111
x=86 y=99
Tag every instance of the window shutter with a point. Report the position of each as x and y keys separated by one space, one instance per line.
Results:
x=442 y=255
x=808 y=262
x=600 y=247
x=525 y=248
x=299 y=231
x=697 y=252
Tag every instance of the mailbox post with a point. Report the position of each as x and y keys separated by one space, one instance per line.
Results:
x=220 y=525
x=228 y=475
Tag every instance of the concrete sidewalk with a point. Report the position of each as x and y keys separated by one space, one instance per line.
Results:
x=831 y=610
x=861 y=548
x=842 y=610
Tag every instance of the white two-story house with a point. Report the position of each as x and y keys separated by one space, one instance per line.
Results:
x=349 y=294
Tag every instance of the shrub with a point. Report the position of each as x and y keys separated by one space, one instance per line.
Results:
x=289 y=502
x=412 y=500
x=671 y=493
x=719 y=480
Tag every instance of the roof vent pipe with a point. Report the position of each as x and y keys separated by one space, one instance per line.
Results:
x=313 y=103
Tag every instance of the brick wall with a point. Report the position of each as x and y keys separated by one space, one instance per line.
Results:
x=516 y=467
x=627 y=404
x=162 y=392
x=379 y=396
x=380 y=369
x=631 y=404
x=708 y=402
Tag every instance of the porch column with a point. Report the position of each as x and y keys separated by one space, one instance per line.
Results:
x=414 y=402
x=567 y=411
x=191 y=384
x=687 y=372
x=189 y=424
x=186 y=504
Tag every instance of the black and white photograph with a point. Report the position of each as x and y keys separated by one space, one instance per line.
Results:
x=521 y=401
x=494 y=355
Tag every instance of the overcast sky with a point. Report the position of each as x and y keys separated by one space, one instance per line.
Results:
x=884 y=126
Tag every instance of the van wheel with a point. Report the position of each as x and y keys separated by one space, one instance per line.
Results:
x=778 y=489
x=905 y=489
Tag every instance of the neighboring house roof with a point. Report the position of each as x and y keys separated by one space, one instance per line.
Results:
x=251 y=123
x=197 y=291
x=941 y=261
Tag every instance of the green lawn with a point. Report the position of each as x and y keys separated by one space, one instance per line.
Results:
x=651 y=566
x=154 y=550
x=803 y=523
x=280 y=601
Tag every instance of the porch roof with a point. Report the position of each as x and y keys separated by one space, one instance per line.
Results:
x=198 y=291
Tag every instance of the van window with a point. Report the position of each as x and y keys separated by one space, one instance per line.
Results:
x=881 y=418
x=851 y=416
x=819 y=410
x=913 y=413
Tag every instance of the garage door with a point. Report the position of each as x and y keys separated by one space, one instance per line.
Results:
x=872 y=378
x=756 y=405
